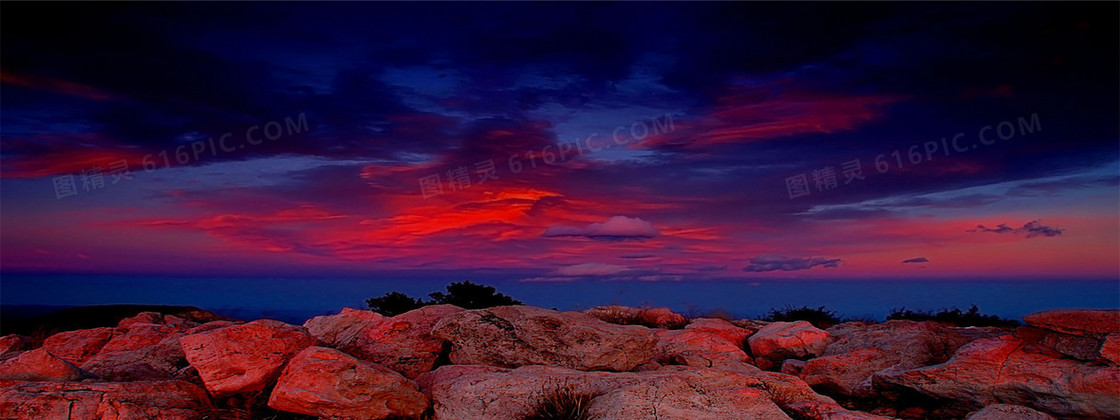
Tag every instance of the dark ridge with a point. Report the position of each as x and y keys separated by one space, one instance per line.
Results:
x=16 y=319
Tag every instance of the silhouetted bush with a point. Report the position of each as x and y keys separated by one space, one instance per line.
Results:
x=394 y=303
x=468 y=295
x=465 y=295
x=819 y=316
x=971 y=318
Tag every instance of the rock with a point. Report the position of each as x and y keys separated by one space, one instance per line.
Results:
x=39 y=365
x=662 y=318
x=511 y=336
x=786 y=340
x=1091 y=322
x=703 y=343
x=676 y=397
x=141 y=318
x=475 y=392
x=161 y=361
x=616 y=314
x=79 y=345
x=1008 y=412
x=849 y=373
x=1110 y=350
x=210 y=326
x=859 y=350
x=404 y=343
x=138 y=336
x=1075 y=346
x=999 y=370
x=171 y=400
x=243 y=358
x=793 y=367
x=343 y=330
x=13 y=343
x=652 y=317
x=328 y=383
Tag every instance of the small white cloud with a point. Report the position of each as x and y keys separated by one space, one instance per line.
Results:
x=615 y=228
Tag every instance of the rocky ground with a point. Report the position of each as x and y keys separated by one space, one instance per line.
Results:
x=444 y=362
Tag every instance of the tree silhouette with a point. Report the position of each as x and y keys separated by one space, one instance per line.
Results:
x=468 y=295
x=394 y=303
x=465 y=295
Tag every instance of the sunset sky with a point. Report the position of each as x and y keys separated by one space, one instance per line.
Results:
x=560 y=142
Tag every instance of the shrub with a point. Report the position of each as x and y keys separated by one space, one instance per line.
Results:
x=394 y=303
x=971 y=318
x=465 y=295
x=468 y=295
x=819 y=316
x=562 y=403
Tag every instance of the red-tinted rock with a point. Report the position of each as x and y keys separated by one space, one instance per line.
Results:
x=1110 y=350
x=39 y=365
x=328 y=383
x=160 y=361
x=404 y=343
x=779 y=341
x=1008 y=412
x=210 y=326
x=662 y=318
x=703 y=343
x=138 y=336
x=11 y=344
x=1094 y=322
x=651 y=317
x=485 y=392
x=165 y=400
x=848 y=373
x=512 y=336
x=999 y=370
x=79 y=345
x=342 y=331
x=243 y=358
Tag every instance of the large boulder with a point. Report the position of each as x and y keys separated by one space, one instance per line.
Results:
x=849 y=373
x=1000 y=370
x=703 y=343
x=79 y=345
x=172 y=400
x=403 y=343
x=331 y=384
x=243 y=358
x=39 y=365
x=680 y=397
x=650 y=317
x=161 y=361
x=779 y=341
x=343 y=330
x=138 y=336
x=511 y=336
x=475 y=392
x=1090 y=322
x=858 y=350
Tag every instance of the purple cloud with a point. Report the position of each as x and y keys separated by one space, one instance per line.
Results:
x=781 y=263
x=615 y=228
x=1031 y=229
x=916 y=260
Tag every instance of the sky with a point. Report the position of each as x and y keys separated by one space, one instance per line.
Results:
x=558 y=142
